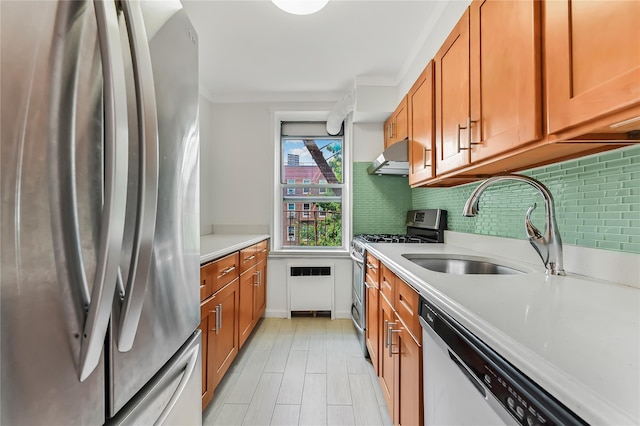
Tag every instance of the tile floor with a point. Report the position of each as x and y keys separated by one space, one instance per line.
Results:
x=302 y=371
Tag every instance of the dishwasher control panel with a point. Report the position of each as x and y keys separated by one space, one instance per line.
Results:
x=518 y=395
x=521 y=408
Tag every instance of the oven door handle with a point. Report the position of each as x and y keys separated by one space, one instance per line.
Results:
x=355 y=323
x=355 y=259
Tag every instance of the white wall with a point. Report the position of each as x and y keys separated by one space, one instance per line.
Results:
x=206 y=148
x=368 y=141
x=237 y=143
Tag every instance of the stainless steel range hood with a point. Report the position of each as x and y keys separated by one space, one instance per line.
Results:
x=393 y=161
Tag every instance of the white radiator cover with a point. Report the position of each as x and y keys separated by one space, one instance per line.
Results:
x=311 y=292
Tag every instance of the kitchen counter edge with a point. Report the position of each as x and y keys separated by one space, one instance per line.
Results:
x=215 y=246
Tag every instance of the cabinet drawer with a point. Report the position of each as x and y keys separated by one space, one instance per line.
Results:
x=406 y=304
x=387 y=283
x=372 y=271
x=224 y=271
x=262 y=251
x=205 y=282
x=247 y=258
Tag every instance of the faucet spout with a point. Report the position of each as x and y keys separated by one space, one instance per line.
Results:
x=548 y=245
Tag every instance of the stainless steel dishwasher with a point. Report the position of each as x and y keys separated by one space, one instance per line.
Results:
x=468 y=383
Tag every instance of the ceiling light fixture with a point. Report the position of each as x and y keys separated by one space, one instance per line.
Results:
x=300 y=7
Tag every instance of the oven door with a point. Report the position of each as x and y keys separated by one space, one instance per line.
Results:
x=357 y=304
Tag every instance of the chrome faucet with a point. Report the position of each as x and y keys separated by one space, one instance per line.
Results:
x=547 y=245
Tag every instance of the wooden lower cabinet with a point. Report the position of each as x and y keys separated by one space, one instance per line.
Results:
x=219 y=316
x=400 y=353
x=253 y=299
x=372 y=327
x=385 y=371
x=229 y=315
x=207 y=385
x=260 y=291
x=248 y=281
x=408 y=379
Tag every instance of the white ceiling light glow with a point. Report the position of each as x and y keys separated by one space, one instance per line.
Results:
x=300 y=7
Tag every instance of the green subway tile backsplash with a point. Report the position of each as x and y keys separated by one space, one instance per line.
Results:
x=597 y=202
x=380 y=203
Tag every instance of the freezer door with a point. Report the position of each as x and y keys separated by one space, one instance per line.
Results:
x=52 y=189
x=173 y=396
x=170 y=307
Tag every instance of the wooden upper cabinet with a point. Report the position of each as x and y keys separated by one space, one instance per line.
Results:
x=452 y=99
x=420 y=103
x=396 y=127
x=506 y=84
x=592 y=60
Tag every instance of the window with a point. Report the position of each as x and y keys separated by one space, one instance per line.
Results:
x=314 y=159
x=322 y=190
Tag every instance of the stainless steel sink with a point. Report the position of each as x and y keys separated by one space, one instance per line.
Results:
x=459 y=264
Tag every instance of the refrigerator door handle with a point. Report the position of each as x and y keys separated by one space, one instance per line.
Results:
x=142 y=252
x=188 y=372
x=115 y=179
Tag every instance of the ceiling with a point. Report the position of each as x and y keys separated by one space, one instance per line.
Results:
x=253 y=51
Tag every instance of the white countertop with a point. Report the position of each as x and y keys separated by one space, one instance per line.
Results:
x=578 y=338
x=214 y=246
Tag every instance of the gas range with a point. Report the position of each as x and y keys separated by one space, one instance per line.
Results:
x=423 y=226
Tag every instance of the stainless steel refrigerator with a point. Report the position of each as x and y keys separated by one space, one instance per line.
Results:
x=100 y=214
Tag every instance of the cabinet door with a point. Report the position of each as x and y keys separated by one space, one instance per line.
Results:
x=400 y=121
x=387 y=131
x=592 y=57
x=396 y=127
x=372 y=327
x=506 y=83
x=223 y=336
x=205 y=326
x=452 y=99
x=385 y=372
x=246 y=319
x=409 y=379
x=420 y=102
x=260 y=292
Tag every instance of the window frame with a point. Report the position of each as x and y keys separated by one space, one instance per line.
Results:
x=278 y=234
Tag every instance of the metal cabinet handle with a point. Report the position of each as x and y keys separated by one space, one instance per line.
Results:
x=388 y=326
x=259 y=278
x=226 y=271
x=468 y=128
x=425 y=157
x=370 y=266
x=253 y=256
x=367 y=285
x=390 y=347
x=218 y=312
x=255 y=281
